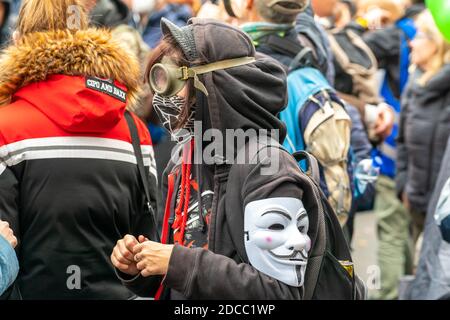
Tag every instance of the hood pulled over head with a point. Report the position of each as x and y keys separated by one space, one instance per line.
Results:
x=245 y=97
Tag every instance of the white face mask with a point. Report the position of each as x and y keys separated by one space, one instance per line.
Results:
x=276 y=238
x=143 y=6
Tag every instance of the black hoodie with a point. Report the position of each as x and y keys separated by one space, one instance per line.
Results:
x=245 y=97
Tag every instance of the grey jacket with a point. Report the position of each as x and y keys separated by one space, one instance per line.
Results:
x=433 y=272
x=424 y=131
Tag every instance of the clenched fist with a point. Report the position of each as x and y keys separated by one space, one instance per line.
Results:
x=122 y=256
x=152 y=258
x=7 y=233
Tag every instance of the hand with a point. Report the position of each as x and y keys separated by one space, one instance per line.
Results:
x=122 y=256
x=385 y=121
x=152 y=258
x=7 y=233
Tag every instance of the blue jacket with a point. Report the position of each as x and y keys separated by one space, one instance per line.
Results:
x=9 y=266
x=302 y=84
x=387 y=151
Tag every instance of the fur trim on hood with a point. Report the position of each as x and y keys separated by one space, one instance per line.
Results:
x=90 y=52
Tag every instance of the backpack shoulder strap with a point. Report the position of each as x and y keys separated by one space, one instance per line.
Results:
x=312 y=165
x=283 y=45
x=143 y=174
x=302 y=55
x=343 y=58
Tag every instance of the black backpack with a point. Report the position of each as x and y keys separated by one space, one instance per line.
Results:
x=330 y=273
x=302 y=55
x=356 y=66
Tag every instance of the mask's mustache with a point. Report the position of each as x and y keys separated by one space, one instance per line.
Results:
x=293 y=255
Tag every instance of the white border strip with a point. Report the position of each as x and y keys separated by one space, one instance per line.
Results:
x=83 y=151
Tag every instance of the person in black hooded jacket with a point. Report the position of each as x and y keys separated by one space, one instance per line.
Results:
x=218 y=253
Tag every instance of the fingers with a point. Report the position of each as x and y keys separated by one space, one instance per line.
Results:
x=118 y=256
x=145 y=245
x=141 y=265
x=13 y=241
x=132 y=257
x=7 y=233
x=138 y=248
x=143 y=255
x=381 y=129
x=153 y=259
x=119 y=260
x=117 y=264
x=4 y=224
x=385 y=122
x=130 y=242
x=122 y=254
x=146 y=273
x=146 y=266
x=138 y=257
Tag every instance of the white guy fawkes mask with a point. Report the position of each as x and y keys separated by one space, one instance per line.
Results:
x=276 y=238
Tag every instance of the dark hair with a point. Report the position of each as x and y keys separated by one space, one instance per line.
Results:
x=168 y=47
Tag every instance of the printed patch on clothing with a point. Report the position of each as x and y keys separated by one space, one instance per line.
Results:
x=107 y=87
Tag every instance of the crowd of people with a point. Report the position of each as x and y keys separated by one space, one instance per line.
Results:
x=118 y=180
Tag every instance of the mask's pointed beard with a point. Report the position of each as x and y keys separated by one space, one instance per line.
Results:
x=169 y=110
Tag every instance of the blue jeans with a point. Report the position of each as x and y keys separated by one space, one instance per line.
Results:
x=9 y=266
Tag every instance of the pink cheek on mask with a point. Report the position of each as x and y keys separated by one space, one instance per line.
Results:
x=269 y=239
x=308 y=245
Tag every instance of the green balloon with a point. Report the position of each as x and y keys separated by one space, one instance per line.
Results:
x=440 y=9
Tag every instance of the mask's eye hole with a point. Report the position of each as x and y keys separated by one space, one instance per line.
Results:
x=301 y=229
x=276 y=227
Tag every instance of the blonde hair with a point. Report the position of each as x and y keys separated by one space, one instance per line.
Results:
x=51 y=15
x=425 y=23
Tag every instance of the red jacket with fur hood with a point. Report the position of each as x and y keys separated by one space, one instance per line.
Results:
x=69 y=183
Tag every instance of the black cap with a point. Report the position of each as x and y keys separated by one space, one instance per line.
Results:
x=184 y=36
